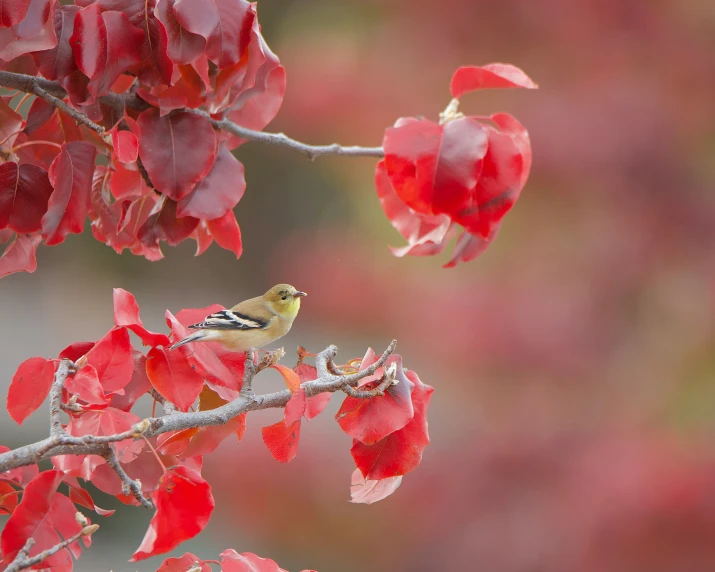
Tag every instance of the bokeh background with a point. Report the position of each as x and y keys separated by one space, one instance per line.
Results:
x=573 y=420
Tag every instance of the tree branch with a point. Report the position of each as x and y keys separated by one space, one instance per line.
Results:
x=128 y=484
x=23 y=561
x=30 y=84
x=93 y=445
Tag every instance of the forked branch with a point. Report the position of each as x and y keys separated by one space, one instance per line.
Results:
x=60 y=443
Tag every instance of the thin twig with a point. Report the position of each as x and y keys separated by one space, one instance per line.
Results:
x=28 y=84
x=22 y=561
x=387 y=380
x=168 y=406
x=129 y=485
x=73 y=113
x=98 y=445
x=281 y=139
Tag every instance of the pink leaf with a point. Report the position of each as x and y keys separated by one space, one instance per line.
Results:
x=20 y=255
x=471 y=78
x=367 y=492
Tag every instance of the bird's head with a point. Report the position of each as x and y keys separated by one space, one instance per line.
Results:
x=284 y=300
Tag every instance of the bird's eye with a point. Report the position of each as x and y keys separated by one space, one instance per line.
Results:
x=284 y=297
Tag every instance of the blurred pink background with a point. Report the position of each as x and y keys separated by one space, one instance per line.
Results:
x=573 y=419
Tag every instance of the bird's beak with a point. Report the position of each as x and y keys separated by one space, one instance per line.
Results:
x=298 y=293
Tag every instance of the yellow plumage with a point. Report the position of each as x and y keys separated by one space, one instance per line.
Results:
x=253 y=323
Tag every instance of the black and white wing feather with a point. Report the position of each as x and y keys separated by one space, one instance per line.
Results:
x=230 y=320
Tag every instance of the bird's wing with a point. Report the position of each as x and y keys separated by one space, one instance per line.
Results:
x=231 y=320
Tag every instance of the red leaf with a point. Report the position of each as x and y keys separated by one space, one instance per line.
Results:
x=22 y=475
x=109 y=422
x=177 y=151
x=232 y=561
x=112 y=358
x=259 y=107
x=76 y=350
x=290 y=377
x=296 y=406
x=24 y=193
x=370 y=420
x=8 y=498
x=173 y=377
x=426 y=235
x=183 y=507
x=164 y=224
x=47 y=517
x=401 y=451
x=469 y=247
x=471 y=78
x=71 y=176
x=127 y=183
x=35 y=32
x=282 y=440
x=203 y=440
x=498 y=188
x=138 y=386
x=81 y=497
x=105 y=45
x=434 y=167
x=85 y=384
x=203 y=238
x=126 y=314
x=47 y=124
x=226 y=232
x=58 y=62
x=188 y=561
x=183 y=46
x=29 y=387
x=11 y=124
x=226 y=25
x=220 y=190
x=317 y=403
x=126 y=146
x=368 y=492
x=154 y=64
x=12 y=12
x=20 y=255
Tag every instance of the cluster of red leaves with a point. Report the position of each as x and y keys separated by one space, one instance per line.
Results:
x=389 y=431
x=167 y=174
x=464 y=171
x=231 y=561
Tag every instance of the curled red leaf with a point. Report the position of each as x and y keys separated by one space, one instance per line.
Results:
x=471 y=78
x=20 y=255
x=363 y=491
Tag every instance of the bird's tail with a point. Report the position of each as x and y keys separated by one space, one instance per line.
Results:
x=188 y=339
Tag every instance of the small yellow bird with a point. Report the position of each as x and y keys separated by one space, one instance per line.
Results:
x=252 y=323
